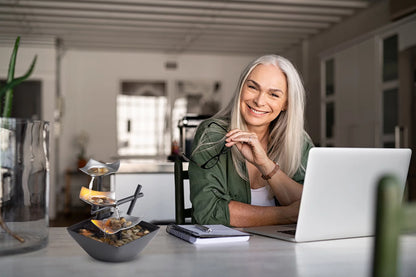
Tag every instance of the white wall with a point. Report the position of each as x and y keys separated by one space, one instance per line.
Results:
x=357 y=117
x=406 y=33
x=91 y=82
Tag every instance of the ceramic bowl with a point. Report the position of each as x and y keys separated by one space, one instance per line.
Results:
x=106 y=252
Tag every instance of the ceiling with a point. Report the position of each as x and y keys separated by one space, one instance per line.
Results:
x=176 y=26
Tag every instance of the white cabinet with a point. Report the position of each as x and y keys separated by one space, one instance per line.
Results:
x=355 y=97
x=367 y=99
x=158 y=203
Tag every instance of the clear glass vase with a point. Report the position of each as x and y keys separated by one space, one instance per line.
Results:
x=24 y=185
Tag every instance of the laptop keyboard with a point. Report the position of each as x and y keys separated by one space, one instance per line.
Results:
x=290 y=232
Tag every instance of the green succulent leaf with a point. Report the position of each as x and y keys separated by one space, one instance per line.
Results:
x=12 y=64
x=7 y=90
x=10 y=74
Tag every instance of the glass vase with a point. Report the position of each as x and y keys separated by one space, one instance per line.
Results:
x=24 y=185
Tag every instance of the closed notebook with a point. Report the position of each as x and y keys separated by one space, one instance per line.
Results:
x=218 y=234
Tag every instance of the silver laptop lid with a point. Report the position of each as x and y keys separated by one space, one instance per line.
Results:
x=339 y=193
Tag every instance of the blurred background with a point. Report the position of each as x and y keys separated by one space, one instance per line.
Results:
x=115 y=77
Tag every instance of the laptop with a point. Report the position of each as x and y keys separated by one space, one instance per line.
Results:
x=339 y=194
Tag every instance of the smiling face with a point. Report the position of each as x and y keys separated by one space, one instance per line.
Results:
x=263 y=96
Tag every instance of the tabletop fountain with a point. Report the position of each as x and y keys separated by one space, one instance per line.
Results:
x=110 y=234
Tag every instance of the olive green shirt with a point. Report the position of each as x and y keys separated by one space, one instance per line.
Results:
x=212 y=189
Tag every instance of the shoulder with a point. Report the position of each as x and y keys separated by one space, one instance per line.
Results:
x=215 y=123
x=307 y=146
x=214 y=128
x=307 y=141
x=299 y=176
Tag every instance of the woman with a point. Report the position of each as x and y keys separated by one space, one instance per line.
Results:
x=258 y=182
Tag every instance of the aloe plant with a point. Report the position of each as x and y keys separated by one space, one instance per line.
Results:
x=6 y=96
x=6 y=92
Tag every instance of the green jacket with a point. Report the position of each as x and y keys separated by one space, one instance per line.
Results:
x=212 y=189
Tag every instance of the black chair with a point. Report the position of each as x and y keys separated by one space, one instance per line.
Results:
x=181 y=214
x=392 y=219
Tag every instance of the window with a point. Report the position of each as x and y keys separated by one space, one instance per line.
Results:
x=148 y=116
x=390 y=113
x=196 y=97
x=390 y=88
x=390 y=59
x=329 y=115
x=141 y=112
x=329 y=77
x=328 y=104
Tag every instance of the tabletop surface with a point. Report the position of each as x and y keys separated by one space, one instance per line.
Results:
x=167 y=255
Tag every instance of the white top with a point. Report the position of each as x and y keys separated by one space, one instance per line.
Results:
x=262 y=197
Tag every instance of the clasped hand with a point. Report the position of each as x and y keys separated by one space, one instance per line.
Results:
x=249 y=146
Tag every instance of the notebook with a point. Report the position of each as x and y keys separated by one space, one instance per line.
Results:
x=339 y=194
x=216 y=234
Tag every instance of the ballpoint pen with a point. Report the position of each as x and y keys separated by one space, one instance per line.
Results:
x=203 y=228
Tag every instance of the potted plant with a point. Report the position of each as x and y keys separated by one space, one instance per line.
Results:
x=81 y=142
x=24 y=178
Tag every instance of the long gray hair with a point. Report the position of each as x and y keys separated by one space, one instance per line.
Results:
x=287 y=132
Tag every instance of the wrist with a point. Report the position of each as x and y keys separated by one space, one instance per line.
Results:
x=269 y=170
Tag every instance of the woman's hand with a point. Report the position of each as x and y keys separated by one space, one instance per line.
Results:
x=286 y=190
x=249 y=146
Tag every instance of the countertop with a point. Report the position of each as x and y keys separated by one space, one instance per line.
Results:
x=145 y=166
x=132 y=166
x=167 y=255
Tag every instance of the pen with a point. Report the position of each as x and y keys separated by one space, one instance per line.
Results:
x=203 y=228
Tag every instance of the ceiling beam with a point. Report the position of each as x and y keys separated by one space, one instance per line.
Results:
x=229 y=26
x=253 y=6
x=23 y=19
x=164 y=11
x=131 y=17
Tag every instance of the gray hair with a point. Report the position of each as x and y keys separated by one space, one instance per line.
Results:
x=287 y=130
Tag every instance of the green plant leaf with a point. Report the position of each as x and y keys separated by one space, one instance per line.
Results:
x=12 y=64
x=10 y=73
x=10 y=85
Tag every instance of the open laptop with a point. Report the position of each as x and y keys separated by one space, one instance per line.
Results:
x=339 y=194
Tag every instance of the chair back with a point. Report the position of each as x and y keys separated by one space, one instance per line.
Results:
x=181 y=214
x=392 y=219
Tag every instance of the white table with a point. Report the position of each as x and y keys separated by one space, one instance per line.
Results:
x=166 y=255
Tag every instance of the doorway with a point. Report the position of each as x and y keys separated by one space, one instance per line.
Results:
x=27 y=102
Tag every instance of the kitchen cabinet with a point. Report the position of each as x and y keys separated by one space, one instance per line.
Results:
x=158 y=203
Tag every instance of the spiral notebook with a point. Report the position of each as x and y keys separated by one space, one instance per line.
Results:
x=218 y=234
